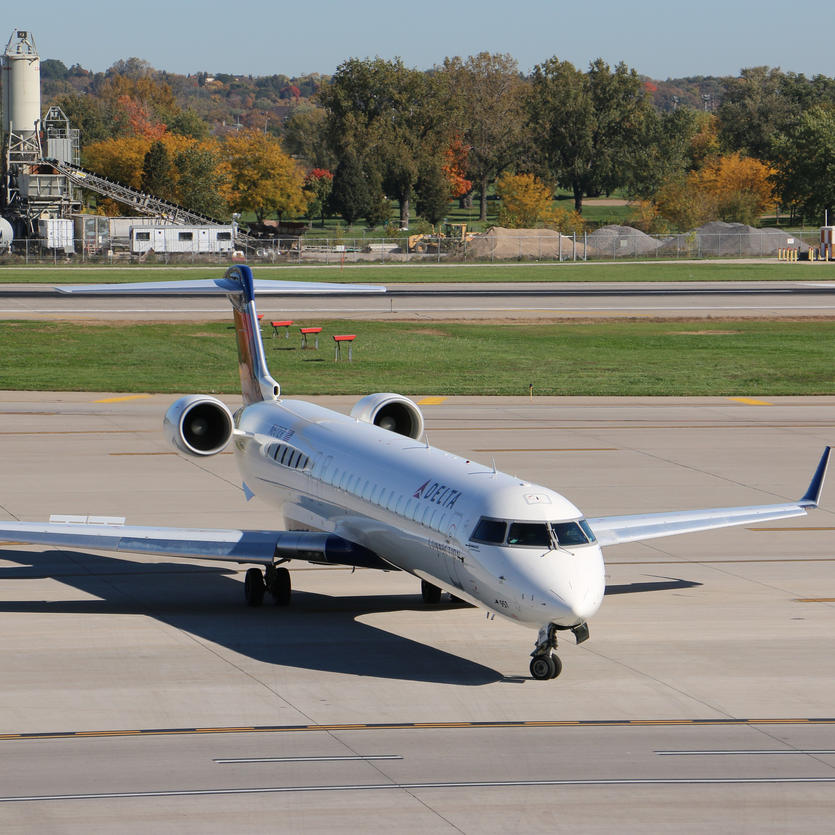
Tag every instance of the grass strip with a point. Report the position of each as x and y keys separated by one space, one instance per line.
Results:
x=617 y=271
x=664 y=358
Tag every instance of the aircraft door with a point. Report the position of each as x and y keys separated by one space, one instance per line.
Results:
x=455 y=568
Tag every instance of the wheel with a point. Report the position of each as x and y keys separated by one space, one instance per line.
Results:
x=544 y=667
x=555 y=660
x=430 y=593
x=279 y=585
x=254 y=587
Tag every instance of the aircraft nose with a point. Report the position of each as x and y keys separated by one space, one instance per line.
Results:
x=578 y=584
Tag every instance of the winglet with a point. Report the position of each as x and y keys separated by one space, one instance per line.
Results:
x=812 y=495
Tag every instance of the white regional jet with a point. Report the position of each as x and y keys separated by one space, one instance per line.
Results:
x=367 y=490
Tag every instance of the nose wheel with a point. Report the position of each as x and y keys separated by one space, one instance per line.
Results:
x=547 y=666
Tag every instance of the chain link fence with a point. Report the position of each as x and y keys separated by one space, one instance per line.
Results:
x=422 y=249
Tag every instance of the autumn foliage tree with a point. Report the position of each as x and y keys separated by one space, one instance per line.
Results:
x=525 y=200
x=263 y=178
x=318 y=184
x=732 y=188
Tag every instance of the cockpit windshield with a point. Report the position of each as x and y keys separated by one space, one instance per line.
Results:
x=532 y=534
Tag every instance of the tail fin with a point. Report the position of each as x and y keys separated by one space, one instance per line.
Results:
x=256 y=382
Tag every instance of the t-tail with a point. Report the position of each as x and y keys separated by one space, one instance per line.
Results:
x=256 y=382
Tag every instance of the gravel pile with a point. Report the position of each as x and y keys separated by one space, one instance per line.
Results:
x=728 y=239
x=504 y=244
x=620 y=242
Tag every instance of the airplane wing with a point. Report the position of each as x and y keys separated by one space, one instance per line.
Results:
x=612 y=530
x=260 y=547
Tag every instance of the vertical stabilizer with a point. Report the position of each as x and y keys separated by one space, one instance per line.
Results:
x=256 y=382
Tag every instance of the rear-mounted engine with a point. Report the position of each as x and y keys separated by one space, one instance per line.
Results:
x=390 y=411
x=198 y=425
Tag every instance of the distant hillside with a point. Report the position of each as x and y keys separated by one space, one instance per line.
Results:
x=221 y=100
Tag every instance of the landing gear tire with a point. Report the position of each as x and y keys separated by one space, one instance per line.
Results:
x=544 y=667
x=430 y=593
x=254 y=587
x=279 y=585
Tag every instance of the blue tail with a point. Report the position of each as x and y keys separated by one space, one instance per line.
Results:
x=256 y=382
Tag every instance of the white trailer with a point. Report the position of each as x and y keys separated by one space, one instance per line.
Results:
x=56 y=233
x=191 y=239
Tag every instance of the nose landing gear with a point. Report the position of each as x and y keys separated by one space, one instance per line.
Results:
x=544 y=663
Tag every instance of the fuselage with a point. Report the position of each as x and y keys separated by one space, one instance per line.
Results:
x=518 y=549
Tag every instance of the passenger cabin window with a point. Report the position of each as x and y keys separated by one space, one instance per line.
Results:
x=185 y=236
x=224 y=236
x=289 y=457
x=143 y=236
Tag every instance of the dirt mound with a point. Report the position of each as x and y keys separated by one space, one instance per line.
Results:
x=499 y=243
x=620 y=242
x=728 y=239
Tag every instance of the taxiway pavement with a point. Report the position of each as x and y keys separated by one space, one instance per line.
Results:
x=703 y=699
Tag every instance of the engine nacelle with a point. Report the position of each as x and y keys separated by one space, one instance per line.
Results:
x=390 y=411
x=198 y=424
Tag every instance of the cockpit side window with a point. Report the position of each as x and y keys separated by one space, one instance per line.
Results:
x=569 y=533
x=490 y=531
x=587 y=530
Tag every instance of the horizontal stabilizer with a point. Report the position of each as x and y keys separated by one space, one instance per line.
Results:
x=219 y=286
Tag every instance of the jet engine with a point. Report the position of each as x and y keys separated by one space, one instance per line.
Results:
x=390 y=411
x=198 y=424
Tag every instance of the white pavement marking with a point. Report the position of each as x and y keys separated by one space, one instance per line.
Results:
x=475 y=784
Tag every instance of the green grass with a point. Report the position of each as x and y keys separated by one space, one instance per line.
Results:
x=410 y=273
x=610 y=358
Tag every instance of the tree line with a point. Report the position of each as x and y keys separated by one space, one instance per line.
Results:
x=378 y=132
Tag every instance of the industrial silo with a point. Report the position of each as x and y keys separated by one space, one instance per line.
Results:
x=21 y=68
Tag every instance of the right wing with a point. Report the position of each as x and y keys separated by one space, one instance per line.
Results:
x=264 y=547
x=613 y=530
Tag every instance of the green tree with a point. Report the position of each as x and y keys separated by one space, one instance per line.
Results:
x=188 y=123
x=664 y=150
x=804 y=156
x=433 y=193
x=350 y=197
x=304 y=136
x=89 y=115
x=202 y=182
x=485 y=99
x=389 y=117
x=754 y=109
x=587 y=124
x=156 y=172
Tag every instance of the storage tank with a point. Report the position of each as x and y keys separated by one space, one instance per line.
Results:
x=6 y=235
x=21 y=85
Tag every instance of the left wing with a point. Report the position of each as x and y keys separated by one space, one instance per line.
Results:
x=611 y=530
x=264 y=547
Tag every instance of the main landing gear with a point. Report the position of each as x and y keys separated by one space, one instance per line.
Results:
x=546 y=664
x=275 y=580
x=430 y=593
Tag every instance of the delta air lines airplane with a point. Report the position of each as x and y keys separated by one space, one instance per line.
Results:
x=367 y=490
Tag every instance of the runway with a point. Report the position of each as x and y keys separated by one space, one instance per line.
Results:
x=501 y=302
x=142 y=693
